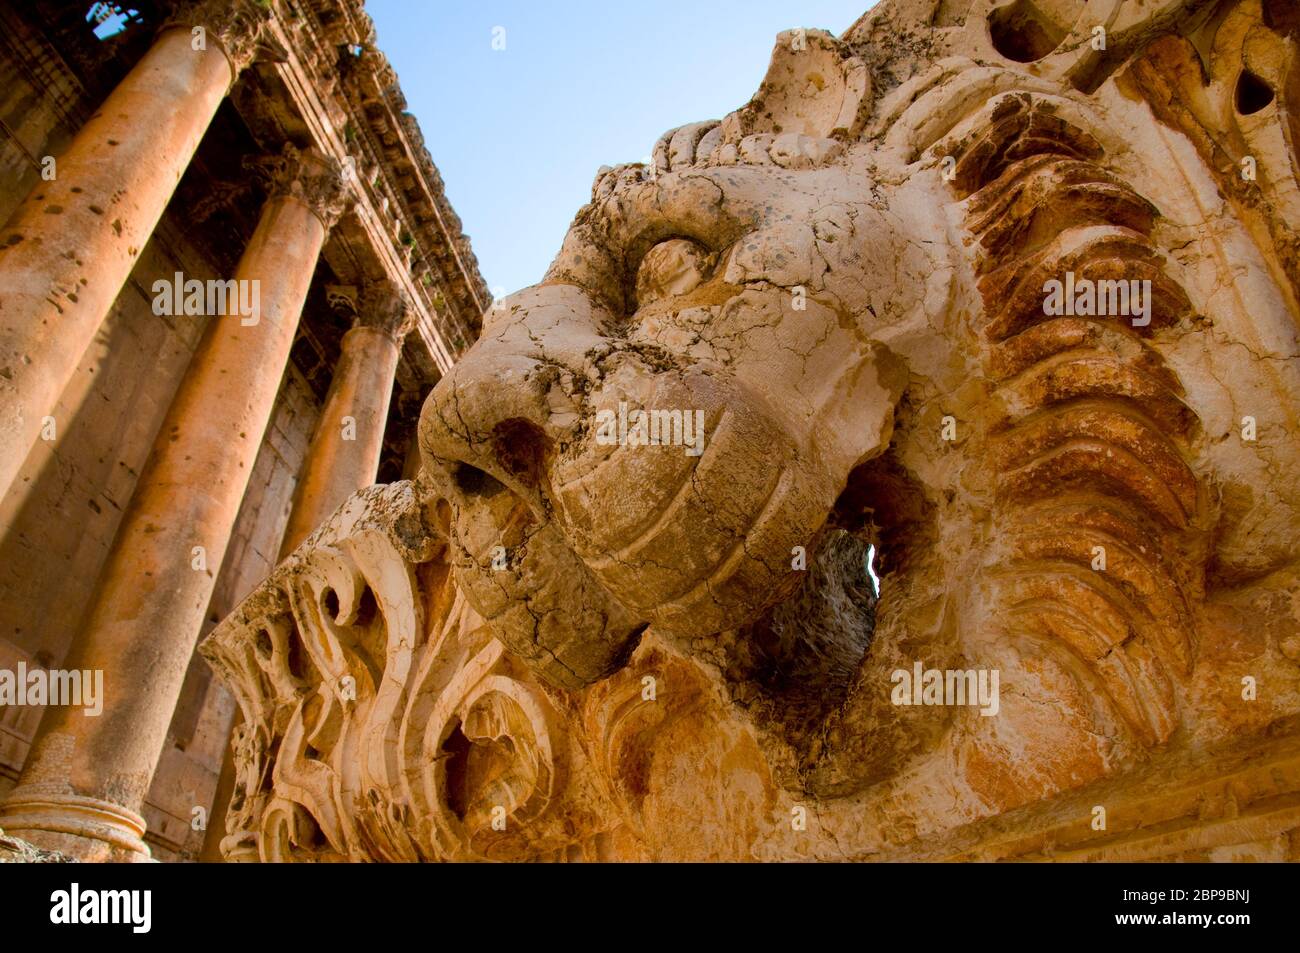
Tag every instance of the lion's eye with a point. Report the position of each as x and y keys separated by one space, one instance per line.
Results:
x=672 y=267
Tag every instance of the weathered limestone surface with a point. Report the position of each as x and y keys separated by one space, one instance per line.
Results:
x=344 y=452
x=150 y=602
x=134 y=110
x=551 y=646
x=68 y=249
x=15 y=851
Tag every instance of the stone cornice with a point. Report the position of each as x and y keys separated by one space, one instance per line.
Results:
x=399 y=189
x=339 y=95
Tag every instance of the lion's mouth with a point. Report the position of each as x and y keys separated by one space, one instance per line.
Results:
x=521 y=575
x=567 y=544
x=686 y=543
x=660 y=528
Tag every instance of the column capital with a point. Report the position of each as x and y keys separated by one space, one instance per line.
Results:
x=318 y=181
x=385 y=307
x=86 y=779
x=240 y=28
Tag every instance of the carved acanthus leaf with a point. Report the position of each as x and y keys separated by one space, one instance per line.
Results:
x=241 y=27
x=320 y=182
x=401 y=730
x=387 y=308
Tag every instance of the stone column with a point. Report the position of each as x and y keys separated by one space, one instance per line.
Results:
x=343 y=456
x=68 y=249
x=345 y=449
x=86 y=777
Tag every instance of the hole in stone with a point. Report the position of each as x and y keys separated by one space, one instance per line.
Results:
x=1253 y=94
x=1020 y=31
x=329 y=603
x=298 y=662
x=457 y=748
x=521 y=447
x=367 y=608
x=799 y=658
x=472 y=481
x=797 y=661
x=264 y=644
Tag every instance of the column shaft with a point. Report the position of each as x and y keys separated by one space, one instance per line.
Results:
x=68 y=249
x=342 y=458
x=86 y=777
x=344 y=453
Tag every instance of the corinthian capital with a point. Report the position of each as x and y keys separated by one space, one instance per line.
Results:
x=385 y=307
x=239 y=27
x=318 y=181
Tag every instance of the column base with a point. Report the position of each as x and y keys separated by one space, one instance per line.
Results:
x=89 y=829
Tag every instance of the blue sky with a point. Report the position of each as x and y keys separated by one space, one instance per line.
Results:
x=519 y=133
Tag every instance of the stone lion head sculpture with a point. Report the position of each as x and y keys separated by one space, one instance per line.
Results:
x=817 y=325
x=744 y=280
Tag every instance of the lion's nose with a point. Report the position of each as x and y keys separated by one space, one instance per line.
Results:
x=514 y=398
x=494 y=416
x=501 y=413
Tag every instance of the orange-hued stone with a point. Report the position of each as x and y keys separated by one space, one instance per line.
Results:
x=901 y=467
x=159 y=577
x=580 y=633
x=66 y=251
x=344 y=451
